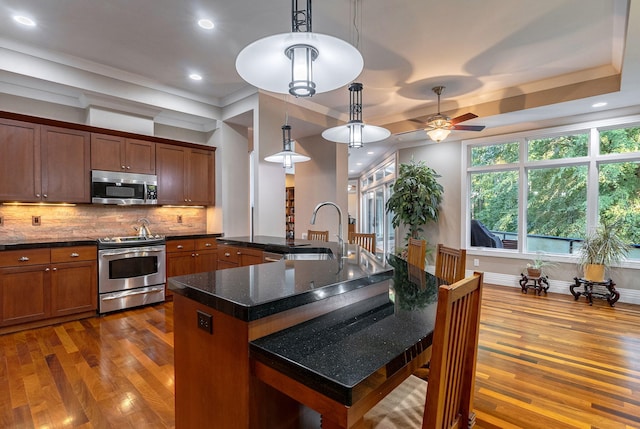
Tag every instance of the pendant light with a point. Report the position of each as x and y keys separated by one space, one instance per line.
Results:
x=355 y=133
x=287 y=156
x=300 y=63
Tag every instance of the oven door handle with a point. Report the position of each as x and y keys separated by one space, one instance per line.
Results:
x=125 y=252
x=127 y=294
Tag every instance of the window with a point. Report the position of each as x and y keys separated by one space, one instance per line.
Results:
x=375 y=191
x=544 y=191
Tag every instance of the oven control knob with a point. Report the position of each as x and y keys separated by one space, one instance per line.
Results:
x=106 y=239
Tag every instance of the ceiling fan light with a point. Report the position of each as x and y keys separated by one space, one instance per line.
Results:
x=438 y=134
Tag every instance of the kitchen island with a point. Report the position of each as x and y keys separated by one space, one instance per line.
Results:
x=218 y=314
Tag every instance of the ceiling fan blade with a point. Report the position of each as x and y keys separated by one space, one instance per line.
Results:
x=408 y=132
x=468 y=127
x=462 y=118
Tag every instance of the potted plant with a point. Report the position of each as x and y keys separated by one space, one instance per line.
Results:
x=535 y=267
x=416 y=198
x=600 y=249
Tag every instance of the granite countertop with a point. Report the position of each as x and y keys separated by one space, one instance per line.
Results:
x=340 y=353
x=250 y=293
x=34 y=243
x=46 y=242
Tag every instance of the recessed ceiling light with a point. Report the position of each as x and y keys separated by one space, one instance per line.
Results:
x=24 y=20
x=600 y=104
x=358 y=163
x=207 y=24
x=195 y=76
x=370 y=153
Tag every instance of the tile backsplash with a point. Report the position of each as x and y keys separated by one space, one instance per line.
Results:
x=94 y=221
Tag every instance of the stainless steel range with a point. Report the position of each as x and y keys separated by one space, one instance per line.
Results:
x=131 y=272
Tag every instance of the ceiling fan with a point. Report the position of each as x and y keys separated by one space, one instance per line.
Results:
x=439 y=126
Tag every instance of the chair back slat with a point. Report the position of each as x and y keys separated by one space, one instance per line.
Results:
x=449 y=401
x=417 y=252
x=367 y=241
x=318 y=235
x=450 y=263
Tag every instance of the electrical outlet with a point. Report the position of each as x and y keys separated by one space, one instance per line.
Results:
x=179 y=218
x=205 y=322
x=36 y=221
x=476 y=262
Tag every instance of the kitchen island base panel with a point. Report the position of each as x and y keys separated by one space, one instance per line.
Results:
x=213 y=380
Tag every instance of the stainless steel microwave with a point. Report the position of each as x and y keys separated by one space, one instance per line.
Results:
x=114 y=187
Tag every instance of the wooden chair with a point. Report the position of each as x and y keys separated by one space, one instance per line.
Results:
x=417 y=252
x=318 y=235
x=450 y=263
x=368 y=241
x=450 y=390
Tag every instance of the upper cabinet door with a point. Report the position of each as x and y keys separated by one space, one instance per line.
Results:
x=140 y=156
x=170 y=167
x=66 y=165
x=201 y=178
x=19 y=161
x=113 y=153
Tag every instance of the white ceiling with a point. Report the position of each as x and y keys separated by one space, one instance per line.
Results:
x=507 y=61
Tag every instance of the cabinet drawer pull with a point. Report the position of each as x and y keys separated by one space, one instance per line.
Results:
x=208 y=245
x=54 y=269
x=193 y=255
x=227 y=254
x=75 y=255
x=46 y=269
x=180 y=246
x=238 y=253
x=23 y=259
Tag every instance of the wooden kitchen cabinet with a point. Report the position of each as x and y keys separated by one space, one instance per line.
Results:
x=115 y=153
x=190 y=256
x=186 y=176
x=24 y=286
x=20 y=161
x=238 y=256
x=42 y=163
x=41 y=284
x=74 y=284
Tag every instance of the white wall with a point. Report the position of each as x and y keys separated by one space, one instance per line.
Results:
x=324 y=178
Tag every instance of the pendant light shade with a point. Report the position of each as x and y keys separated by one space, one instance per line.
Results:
x=287 y=157
x=355 y=133
x=300 y=63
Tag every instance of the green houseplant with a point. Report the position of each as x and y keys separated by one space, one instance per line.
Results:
x=600 y=249
x=537 y=265
x=416 y=198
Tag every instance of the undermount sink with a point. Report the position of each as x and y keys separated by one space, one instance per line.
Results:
x=308 y=256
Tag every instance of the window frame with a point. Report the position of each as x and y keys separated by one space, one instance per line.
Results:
x=592 y=160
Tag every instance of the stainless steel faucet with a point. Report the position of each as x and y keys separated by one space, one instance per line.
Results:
x=313 y=221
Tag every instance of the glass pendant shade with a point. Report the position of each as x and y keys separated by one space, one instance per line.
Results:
x=355 y=133
x=300 y=63
x=438 y=134
x=287 y=157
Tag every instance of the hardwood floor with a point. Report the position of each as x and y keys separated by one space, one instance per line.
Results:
x=544 y=362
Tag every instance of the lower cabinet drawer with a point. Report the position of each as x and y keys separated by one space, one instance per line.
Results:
x=71 y=254
x=19 y=258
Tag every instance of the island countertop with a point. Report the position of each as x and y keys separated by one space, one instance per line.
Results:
x=257 y=291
